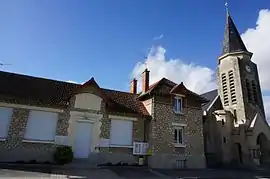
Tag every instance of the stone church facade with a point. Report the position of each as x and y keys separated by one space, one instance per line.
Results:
x=235 y=125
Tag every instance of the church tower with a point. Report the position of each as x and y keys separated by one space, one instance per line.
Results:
x=238 y=79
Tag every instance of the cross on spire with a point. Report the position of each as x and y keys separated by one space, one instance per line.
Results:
x=226 y=6
x=232 y=40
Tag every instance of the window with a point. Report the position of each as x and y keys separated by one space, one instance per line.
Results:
x=121 y=132
x=254 y=91
x=232 y=87
x=140 y=148
x=41 y=126
x=222 y=122
x=225 y=89
x=181 y=163
x=5 y=119
x=249 y=94
x=178 y=135
x=177 y=104
x=255 y=153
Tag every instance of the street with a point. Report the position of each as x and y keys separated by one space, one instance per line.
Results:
x=126 y=173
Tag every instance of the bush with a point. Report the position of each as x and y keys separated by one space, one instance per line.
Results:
x=63 y=155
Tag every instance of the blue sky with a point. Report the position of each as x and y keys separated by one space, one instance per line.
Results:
x=75 y=40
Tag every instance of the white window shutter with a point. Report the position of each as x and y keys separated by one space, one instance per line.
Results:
x=5 y=120
x=121 y=132
x=41 y=126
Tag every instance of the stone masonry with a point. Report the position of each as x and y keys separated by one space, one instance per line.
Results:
x=164 y=153
x=15 y=149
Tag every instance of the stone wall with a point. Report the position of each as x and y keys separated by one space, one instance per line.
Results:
x=15 y=149
x=164 y=153
x=118 y=154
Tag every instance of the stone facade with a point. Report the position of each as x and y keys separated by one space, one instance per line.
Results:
x=155 y=128
x=165 y=154
x=14 y=148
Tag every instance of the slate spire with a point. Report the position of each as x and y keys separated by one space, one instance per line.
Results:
x=232 y=40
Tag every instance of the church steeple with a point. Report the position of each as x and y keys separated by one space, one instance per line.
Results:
x=232 y=40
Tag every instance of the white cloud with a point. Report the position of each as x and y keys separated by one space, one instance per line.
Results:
x=266 y=100
x=158 y=37
x=200 y=78
x=257 y=41
x=70 y=81
x=195 y=77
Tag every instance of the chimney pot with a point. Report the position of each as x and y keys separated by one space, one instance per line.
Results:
x=145 y=80
x=133 y=86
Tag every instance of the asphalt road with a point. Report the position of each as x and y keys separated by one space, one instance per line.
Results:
x=127 y=173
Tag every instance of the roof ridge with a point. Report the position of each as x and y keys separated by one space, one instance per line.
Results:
x=118 y=91
x=39 y=78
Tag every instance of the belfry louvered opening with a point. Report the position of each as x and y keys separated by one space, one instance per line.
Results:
x=225 y=89
x=232 y=87
x=254 y=91
x=249 y=94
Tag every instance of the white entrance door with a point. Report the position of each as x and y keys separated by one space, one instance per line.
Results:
x=83 y=138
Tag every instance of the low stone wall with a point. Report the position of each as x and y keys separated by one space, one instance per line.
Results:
x=114 y=156
x=27 y=152
x=169 y=161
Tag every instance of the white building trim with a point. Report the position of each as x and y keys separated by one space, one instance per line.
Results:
x=123 y=118
x=12 y=105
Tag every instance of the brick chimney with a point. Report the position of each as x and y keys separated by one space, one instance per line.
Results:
x=133 y=86
x=145 y=80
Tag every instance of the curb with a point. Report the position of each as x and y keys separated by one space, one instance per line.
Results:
x=158 y=174
x=47 y=166
x=130 y=167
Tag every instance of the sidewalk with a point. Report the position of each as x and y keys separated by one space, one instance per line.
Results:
x=81 y=173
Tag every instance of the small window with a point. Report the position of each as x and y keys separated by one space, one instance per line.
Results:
x=254 y=91
x=181 y=163
x=222 y=122
x=177 y=105
x=178 y=135
x=224 y=140
x=249 y=93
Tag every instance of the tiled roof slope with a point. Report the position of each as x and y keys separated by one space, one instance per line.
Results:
x=56 y=93
x=211 y=95
x=173 y=86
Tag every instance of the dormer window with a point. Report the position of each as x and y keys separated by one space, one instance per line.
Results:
x=177 y=104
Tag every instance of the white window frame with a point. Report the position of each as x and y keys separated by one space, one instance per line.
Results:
x=140 y=148
x=28 y=136
x=180 y=129
x=178 y=104
x=7 y=121
x=127 y=145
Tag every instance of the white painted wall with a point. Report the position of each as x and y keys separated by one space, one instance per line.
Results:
x=94 y=119
x=88 y=101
